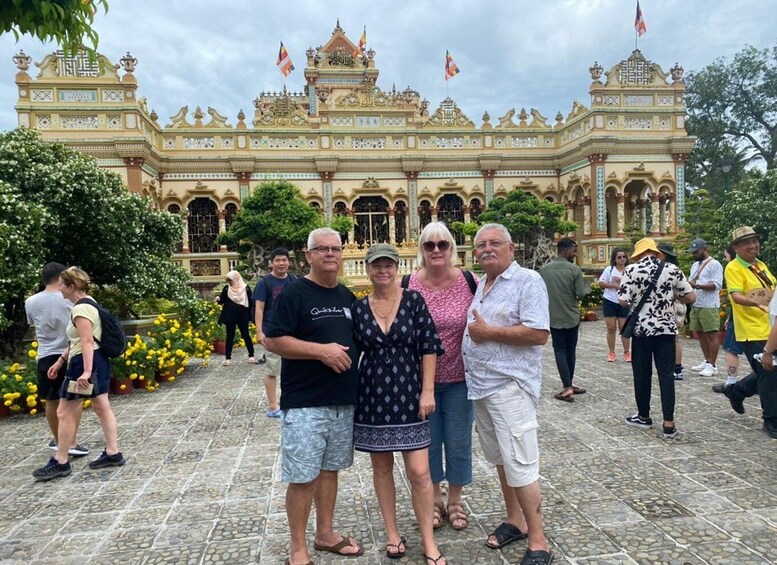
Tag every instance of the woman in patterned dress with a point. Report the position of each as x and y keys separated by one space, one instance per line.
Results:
x=448 y=292
x=397 y=336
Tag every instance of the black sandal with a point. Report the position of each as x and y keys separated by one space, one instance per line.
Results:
x=397 y=554
x=505 y=534
x=432 y=559
x=537 y=557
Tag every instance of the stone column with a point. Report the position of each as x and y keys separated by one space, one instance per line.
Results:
x=243 y=184
x=185 y=235
x=433 y=210
x=488 y=183
x=466 y=211
x=643 y=214
x=621 y=201
x=671 y=226
x=222 y=216
x=679 y=179
x=392 y=227
x=662 y=200
x=412 y=205
x=598 y=198
x=586 y=215
x=134 y=174
x=655 y=212
x=352 y=231
x=326 y=191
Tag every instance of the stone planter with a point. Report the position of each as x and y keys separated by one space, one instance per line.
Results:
x=165 y=377
x=5 y=412
x=220 y=346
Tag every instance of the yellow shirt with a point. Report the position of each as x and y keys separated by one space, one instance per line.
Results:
x=750 y=323
x=90 y=313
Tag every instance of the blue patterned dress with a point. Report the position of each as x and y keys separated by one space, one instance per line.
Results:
x=390 y=376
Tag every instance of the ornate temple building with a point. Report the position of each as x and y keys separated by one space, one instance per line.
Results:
x=383 y=157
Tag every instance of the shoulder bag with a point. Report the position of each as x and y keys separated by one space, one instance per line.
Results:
x=630 y=324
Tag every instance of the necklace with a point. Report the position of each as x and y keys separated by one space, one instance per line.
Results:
x=375 y=306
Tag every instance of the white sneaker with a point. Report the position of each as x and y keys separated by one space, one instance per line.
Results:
x=700 y=367
x=708 y=371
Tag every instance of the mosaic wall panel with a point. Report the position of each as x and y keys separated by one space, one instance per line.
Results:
x=114 y=122
x=46 y=95
x=113 y=96
x=79 y=122
x=198 y=143
x=79 y=95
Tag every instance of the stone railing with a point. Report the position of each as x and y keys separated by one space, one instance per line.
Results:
x=207 y=267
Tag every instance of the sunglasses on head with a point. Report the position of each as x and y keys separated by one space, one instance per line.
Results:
x=430 y=245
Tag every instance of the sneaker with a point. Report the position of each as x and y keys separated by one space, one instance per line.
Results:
x=700 y=367
x=274 y=413
x=78 y=451
x=611 y=357
x=708 y=371
x=679 y=376
x=639 y=422
x=52 y=470
x=627 y=357
x=670 y=433
x=53 y=445
x=105 y=460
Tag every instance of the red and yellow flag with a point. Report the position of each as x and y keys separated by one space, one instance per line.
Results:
x=639 y=22
x=362 y=43
x=284 y=61
x=451 y=70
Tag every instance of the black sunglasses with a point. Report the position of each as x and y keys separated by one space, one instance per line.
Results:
x=441 y=245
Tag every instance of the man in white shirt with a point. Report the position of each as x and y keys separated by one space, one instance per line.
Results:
x=508 y=323
x=707 y=280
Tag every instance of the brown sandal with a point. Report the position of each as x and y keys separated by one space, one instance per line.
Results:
x=456 y=513
x=439 y=515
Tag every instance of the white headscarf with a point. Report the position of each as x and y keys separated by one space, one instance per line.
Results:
x=237 y=289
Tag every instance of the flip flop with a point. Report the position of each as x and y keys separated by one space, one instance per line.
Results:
x=398 y=553
x=289 y=562
x=343 y=543
x=433 y=560
x=506 y=533
x=567 y=398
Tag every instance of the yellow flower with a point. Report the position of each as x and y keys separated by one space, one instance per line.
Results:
x=173 y=330
x=180 y=370
x=133 y=376
x=141 y=377
x=156 y=323
x=7 y=402
x=34 y=345
x=32 y=354
x=171 y=379
x=122 y=387
x=18 y=378
x=33 y=411
x=87 y=403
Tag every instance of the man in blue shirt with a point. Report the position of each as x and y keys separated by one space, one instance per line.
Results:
x=267 y=290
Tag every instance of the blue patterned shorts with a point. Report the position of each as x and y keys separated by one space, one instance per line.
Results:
x=314 y=440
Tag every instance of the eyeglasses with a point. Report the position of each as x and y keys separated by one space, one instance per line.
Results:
x=324 y=249
x=496 y=244
x=620 y=256
x=441 y=245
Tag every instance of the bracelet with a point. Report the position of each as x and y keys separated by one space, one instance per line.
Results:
x=63 y=358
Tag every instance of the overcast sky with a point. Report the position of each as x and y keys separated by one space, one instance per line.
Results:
x=512 y=53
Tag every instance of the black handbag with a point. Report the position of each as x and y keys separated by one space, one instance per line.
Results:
x=630 y=325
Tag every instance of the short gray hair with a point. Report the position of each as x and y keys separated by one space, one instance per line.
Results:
x=441 y=231
x=498 y=227
x=312 y=236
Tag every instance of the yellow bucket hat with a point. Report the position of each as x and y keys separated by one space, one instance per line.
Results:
x=643 y=245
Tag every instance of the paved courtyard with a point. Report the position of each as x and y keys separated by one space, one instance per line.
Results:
x=201 y=484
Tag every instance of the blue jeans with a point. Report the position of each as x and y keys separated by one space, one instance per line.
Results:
x=451 y=427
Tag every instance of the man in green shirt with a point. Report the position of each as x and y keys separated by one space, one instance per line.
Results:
x=565 y=285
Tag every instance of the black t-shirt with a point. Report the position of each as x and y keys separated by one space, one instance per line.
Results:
x=309 y=312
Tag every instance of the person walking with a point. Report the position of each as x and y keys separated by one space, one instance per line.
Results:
x=614 y=314
x=657 y=284
x=447 y=291
x=751 y=288
x=399 y=345
x=265 y=294
x=730 y=345
x=707 y=280
x=312 y=330
x=564 y=281
x=49 y=313
x=86 y=365
x=508 y=324
x=236 y=306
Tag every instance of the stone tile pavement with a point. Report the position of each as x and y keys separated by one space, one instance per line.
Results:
x=202 y=481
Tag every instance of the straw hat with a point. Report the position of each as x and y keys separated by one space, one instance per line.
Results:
x=643 y=246
x=742 y=233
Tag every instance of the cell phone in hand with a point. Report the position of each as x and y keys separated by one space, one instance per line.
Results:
x=72 y=387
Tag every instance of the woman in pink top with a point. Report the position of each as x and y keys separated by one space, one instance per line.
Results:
x=448 y=293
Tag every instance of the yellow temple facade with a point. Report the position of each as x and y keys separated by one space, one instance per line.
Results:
x=383 y=157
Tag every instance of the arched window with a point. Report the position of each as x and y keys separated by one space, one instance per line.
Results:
x=424 y=213
x=203 y=226
x=371 y=220
x=449 y=210
x=475 y=208
x=400 y=222
x=176 y=209
x=316 y=206
x=340 y=208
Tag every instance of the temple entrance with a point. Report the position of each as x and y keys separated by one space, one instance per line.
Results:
x=371 y=220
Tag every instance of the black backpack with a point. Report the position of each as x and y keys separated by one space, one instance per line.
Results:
x=473 y=287
x=113 y=342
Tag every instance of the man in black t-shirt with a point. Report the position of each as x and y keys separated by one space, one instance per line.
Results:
x=312 y=330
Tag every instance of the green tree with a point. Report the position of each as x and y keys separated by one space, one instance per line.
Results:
x=90 y=220
x=732 y=109
x=274 y=215
x=531 y=222
x=66 y=22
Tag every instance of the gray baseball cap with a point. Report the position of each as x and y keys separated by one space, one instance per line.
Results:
x=697 y=244
x=382 y=250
